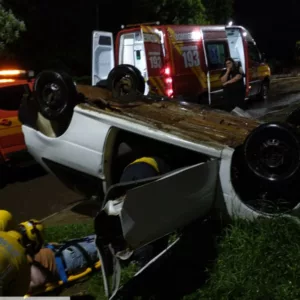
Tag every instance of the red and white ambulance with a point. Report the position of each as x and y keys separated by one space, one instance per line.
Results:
x=182 y=61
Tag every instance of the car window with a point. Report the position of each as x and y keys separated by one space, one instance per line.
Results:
x=11 y=96
x=216 y=54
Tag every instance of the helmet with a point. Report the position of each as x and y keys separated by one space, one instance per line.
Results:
x=32 y=235
x=15 y=234
x=6 y=221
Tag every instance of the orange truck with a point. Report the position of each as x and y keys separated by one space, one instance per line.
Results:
x=13 y=85
x=182 y=61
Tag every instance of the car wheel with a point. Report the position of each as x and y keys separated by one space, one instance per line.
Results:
x=264 y=92
x=203 y=99
x=124 y=80
x=272 y=153
x=55 y=94
x=141 y=171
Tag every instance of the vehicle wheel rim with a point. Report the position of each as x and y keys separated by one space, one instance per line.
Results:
x=124 y=85
x=274 y=159
x=52 y=98
x=274 y=156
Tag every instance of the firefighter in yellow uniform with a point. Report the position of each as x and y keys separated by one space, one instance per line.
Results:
x=6 y=221
x=16 y=242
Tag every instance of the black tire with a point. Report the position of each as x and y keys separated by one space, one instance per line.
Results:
x=264 y=91
x=102 y=83
x=293 y=118
x=3 y=175
x=203 y=99
x=125 y=80
x=55 y=94
x=28 y=111
x=137 y=172
x=272 y=153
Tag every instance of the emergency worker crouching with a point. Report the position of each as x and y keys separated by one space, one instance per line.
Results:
x=17 y=242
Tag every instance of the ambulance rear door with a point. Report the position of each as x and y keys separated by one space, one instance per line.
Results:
x=103 y=60
x=155 y=59
x=239 y=51
x=216 y=50
x=186 y=61
x=132 y=50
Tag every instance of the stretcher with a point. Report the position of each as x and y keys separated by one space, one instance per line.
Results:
x=64 y=277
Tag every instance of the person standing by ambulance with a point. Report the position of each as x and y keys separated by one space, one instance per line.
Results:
x=233 y=84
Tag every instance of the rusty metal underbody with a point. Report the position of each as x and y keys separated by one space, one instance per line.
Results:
x=188 y=121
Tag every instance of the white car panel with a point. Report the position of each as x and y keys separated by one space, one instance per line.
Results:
x=173 y=201
x=144 y=129
x=75 y=148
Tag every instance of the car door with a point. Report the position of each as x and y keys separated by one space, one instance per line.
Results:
x=254 y=61
x=153 y=40
x=160 y=207
x=11 y=136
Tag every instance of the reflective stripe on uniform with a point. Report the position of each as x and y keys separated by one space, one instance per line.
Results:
x=59 y=264
x=59 y=259
x=148 y=160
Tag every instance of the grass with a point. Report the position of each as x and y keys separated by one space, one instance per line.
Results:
x=67 y=232
x=259 y=260
x=93 y=285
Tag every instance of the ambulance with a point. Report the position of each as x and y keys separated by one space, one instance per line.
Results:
x=182 y=61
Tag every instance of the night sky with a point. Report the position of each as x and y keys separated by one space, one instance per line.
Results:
x=59 y=34
x=275 y=27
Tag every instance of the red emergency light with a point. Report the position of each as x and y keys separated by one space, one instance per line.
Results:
x=15 y=73
x=168 y=81
x=6 y=80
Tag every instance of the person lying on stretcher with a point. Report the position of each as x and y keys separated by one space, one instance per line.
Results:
x=56 y=262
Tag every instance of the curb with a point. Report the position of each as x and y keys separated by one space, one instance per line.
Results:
x=284 y=78
x=58 y=212
x=285 y=75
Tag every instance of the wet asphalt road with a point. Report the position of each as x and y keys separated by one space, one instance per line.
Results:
x=284 y=91
x=33 y=193
x=258 y=109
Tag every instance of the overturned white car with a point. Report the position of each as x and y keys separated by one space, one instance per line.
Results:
x=219 y=163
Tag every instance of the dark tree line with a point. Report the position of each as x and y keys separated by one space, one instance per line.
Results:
x=58 y=34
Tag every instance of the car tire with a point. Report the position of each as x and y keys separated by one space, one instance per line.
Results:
x=203 y=99
x=125 y=80
x=264 y=92
x=272 y=153
x=53 y=119
x=55 y=94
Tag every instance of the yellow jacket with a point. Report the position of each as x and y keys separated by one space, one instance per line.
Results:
x=7 y=221
x=14 y=266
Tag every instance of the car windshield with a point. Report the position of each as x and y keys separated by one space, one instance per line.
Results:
x=11 y=96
